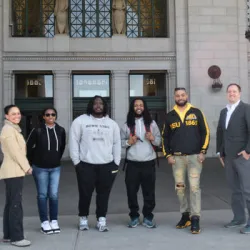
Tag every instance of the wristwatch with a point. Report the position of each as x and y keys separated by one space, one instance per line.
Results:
x=128 y=143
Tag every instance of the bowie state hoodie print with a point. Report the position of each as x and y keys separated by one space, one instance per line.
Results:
x=94 y=140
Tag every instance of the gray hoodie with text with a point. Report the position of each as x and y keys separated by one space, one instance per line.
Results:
x=142 y=150
x=94 y=140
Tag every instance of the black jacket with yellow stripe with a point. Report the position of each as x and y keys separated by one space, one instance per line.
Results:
x=185 y=133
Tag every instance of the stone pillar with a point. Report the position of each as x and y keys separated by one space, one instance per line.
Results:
x=216 y=37
x=1 y=72
x=8 y=88
x=243 y=50
x=120 y=95
x=63 y=101
x=182 y=49
x=1 y=67
x=171 y=83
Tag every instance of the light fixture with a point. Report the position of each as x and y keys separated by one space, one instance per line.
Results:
x=214 y=72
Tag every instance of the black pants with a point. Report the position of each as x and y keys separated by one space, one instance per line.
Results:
x=141 y=174
x=13 y=211
x=98 y=177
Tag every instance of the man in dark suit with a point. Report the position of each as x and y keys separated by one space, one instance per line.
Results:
x=233 y=147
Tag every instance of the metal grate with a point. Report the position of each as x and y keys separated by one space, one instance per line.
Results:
x=90 y=18
x=146 y=18
x=33 y=18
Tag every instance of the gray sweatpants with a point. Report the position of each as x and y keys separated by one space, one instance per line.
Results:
x=238 y=178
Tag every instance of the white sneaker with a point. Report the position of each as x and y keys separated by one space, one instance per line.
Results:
x=102 y=225
x=55 y=227
x=46 y=228
x=21 y=243
x=83 y=223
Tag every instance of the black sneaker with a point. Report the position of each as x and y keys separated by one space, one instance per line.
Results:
x=195 y=225
x=184 y=222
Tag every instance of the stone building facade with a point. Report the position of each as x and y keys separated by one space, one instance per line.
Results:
x=172 y=46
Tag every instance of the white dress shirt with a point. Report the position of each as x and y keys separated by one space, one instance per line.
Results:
x=230 y=110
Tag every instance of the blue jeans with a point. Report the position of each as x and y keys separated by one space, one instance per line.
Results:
x=47 y=182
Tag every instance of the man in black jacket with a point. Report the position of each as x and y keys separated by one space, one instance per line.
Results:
x=233 y=146
x=185 y=143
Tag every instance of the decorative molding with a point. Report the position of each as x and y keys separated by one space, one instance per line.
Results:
x=171 y=73
x=119 y=74
x=7 y=74
x=62 y=74
x=92 y=57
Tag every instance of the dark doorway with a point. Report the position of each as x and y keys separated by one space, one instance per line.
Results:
x=30 y=120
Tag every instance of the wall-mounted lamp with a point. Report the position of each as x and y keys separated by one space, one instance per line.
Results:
x=247 y=34
x=214 y=72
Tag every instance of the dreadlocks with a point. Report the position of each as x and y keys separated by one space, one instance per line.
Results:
x=131 y=114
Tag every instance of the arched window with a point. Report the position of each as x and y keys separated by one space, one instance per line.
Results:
x=90 y=18
x=33 y=18
x=146 y=18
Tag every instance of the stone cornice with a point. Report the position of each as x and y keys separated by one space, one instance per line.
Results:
x=90 y=57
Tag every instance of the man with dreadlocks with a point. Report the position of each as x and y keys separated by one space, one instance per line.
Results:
x=95 y=149
x=139 y=135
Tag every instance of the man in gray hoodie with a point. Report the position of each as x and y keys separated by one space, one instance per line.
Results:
x=140 y=135
x=95 y=149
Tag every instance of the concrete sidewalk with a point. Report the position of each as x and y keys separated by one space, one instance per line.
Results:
x=215 y=203
x=215 y=193
x=165 y=236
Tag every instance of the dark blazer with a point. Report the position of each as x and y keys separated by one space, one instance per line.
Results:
x=236 y=137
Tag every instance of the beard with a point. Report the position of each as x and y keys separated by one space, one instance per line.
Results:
x=97 y=112
x=138 y=115
x=181 y=104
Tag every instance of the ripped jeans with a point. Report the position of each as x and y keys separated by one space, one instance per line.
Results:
x=188 y=166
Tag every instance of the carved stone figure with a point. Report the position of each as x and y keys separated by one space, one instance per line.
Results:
x=119 y=12
x=61 y=16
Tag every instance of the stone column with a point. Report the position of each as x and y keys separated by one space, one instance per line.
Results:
x=171 y=85
x=1 y=68
x=243 y=50
x=120 y=95
x=8 y=88
x=63 y=101
x=182 y=49
x=1 y=72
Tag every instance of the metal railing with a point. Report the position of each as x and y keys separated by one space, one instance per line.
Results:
x=33 y=18
x=146 y=18
x=90 y=18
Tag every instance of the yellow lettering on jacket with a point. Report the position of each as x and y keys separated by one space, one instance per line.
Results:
x=191 y=123
x=175 y=125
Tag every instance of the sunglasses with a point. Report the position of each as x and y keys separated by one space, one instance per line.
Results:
x=52 y=114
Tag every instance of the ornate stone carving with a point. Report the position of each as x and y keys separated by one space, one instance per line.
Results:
x=119 y=16
x=61 y=16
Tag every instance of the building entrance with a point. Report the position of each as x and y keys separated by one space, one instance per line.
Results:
x=152 y=87
x=33 y=93
x=85 y=86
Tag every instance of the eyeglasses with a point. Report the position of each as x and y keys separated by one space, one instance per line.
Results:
x=176 y=89
x=52 y=114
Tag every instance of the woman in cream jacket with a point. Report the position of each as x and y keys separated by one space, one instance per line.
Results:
x=14 y=167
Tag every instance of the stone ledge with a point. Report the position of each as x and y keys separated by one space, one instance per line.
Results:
x=88 y=58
